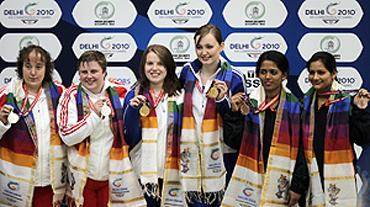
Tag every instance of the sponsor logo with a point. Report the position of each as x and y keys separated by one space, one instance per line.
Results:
x=180 y=45
x=123 y=75
x=336 y=14
x=246 y=47
x=262 y=13
x=33 y=14
x=14 y=186
x=255 y=10
x=116 y=47
x=178 y=13
x=117 y=189
x=334 y=43
x=330 y=44
x=13 y=42
x=103 y=13
x=28 y=40
x=104 y=10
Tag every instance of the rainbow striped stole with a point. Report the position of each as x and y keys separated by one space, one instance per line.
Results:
x=250 y=185
x=202 y=168
x=19 y=147
x=172 y=193
x=339 y=173
x=122 y=179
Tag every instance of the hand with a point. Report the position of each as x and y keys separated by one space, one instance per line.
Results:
x=4 y=113
x=222 y=88
x=293 y=198
x=98 y=105
x=137 y=100
x=236 y=101
x=362 y=98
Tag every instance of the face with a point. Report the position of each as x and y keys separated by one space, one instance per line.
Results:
x=92 y=76
x=208 y=50
x=154 y=69
x=33 y=71
x=271 y=77
x=320 y=77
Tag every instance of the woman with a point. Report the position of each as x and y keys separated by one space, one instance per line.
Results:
x=263 y=175
x=153 y=124
x=32 y=157
x=208 y=82
x=90 y=121
x=332 y=122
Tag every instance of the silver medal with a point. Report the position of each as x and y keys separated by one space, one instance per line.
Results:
x=106 y=110
x=13 y=118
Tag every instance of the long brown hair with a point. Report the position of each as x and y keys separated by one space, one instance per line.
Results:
x=171 y=83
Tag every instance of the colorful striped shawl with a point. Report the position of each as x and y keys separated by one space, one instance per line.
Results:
x=250 y=185
x=124 y=187
x=203 y=171
x=339 y=173
x=172 y=194
x=18 y=150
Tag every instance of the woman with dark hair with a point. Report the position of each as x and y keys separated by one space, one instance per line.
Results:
x=270 y=168
x=152 y=126
x=208 y=82
x=332 y=121
x=90 y=117
x=32 y=156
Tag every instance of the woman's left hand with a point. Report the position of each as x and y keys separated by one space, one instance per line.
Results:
x=362 y=98
x=222 y=88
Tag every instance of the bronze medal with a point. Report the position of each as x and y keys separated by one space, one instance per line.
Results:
x=244 y=109
x=144 y=110
x=213 y=92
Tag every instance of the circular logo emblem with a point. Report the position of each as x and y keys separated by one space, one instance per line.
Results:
x=255 y=44
x=104 y=10
x=29 y=9
x=255 y=10
x=105 y=42
x=330 y=44
x=27 y=41
x=330 y=9
x=179 y=44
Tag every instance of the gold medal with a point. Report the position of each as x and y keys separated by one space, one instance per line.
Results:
x=144 y=110
x=244 y=109
x=213 y=92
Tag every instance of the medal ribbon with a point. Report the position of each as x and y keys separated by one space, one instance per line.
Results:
x=25 y=102
x=156 y=99
x=265 y=105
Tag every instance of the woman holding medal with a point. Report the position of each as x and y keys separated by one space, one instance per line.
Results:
x=153 y=125
x=269 y=169
x=208 y=83
x=90 y=121
x=32 y=156
x=332 y=121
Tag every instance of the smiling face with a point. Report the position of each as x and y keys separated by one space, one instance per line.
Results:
x=320 y=77
x=271 y=77
x=155 y=70
x=208 y=49
x=33 y=71
x=92 y=76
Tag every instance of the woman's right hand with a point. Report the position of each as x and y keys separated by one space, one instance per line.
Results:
x=236 y=101
x=137 y=100
x=4 y=113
